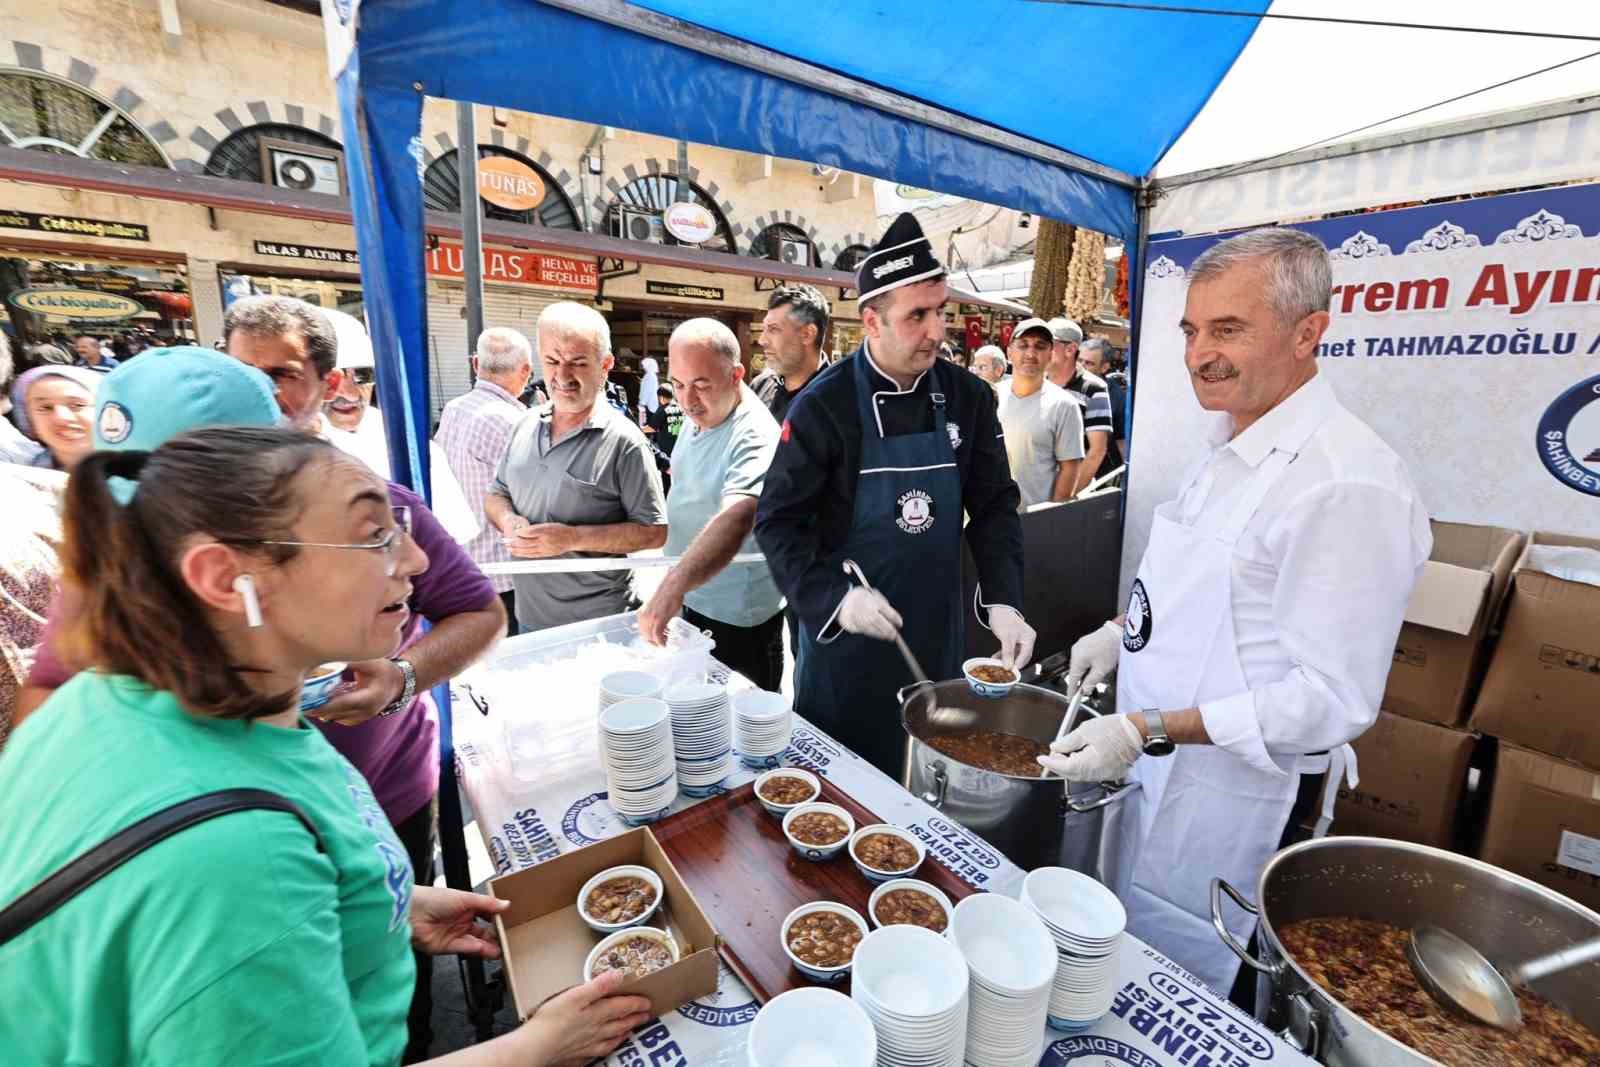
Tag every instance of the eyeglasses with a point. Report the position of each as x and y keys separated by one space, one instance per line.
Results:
x=387 y=541
x=362 y=375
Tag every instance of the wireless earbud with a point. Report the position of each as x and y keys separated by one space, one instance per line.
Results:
x=245 y=586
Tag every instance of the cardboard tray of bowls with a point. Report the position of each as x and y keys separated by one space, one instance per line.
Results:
x=735 y=859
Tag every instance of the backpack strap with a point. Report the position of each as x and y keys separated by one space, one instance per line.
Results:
x=88 y=868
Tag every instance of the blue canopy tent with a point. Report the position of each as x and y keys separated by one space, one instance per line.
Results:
x=890 y=89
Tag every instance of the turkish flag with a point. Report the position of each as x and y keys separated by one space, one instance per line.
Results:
x=1005 y=334
x=974 y=332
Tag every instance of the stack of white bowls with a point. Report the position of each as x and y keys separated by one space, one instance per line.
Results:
x=636 y=751
x=1013 y=963
x=627 y=685
x=811 y=1027
x=1086 y=921
x=762 y=722
x=702 y=735
x=913 y=985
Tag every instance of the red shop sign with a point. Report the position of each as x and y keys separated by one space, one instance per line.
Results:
x=517 y=266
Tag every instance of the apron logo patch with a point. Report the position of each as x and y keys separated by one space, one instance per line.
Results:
x=914 y=511
x=115 y=423
x=1136 y=631
x=955 y=434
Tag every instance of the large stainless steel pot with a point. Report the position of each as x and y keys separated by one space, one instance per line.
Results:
x=1034 y=821
x=1506 y=917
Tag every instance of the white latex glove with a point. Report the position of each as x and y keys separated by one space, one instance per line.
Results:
x=866 y=612
x=1101 y=750
x=1011 y=631
x=1094 y=657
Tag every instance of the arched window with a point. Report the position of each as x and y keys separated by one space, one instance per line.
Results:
x=441 y=191
x=653 y=194
x=42 y=113
x=786 y=244
x=851 y=258
x=318 y=168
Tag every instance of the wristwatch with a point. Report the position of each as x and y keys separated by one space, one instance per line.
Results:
x=1156 y=742
x=408 y=693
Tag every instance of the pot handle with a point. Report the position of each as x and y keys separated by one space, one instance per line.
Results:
x=901 y=695
x=1112 y=793
x=941 y=784
x=1218 y=887
x=1303 y=1032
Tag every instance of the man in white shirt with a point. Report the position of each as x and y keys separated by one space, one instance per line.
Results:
x=1262 y=623
x=1042 y=424
x=476 y=428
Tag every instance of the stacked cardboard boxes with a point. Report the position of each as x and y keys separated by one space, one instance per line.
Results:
x=1541 y=699
x=1414 y=761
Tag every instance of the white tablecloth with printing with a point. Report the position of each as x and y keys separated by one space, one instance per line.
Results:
x=1162 y=1016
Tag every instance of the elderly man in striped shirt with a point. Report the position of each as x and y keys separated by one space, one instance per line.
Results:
x=474 y=430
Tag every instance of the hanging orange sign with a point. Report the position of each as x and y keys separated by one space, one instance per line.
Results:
x=509 y=183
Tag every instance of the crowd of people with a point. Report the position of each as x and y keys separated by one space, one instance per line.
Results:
x=198 y=530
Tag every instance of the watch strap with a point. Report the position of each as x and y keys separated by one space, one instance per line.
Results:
x=407 y=694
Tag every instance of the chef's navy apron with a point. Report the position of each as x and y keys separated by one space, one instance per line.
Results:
x=1206 y=813
x=906 y=535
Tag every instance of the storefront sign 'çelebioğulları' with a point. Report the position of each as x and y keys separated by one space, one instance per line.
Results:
x=71 y=224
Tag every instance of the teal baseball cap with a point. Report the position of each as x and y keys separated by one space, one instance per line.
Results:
x=164 y=392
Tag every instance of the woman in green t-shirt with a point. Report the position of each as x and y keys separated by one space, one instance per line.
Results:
x=215 y=573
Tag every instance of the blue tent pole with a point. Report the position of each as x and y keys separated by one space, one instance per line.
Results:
x=1136 y=268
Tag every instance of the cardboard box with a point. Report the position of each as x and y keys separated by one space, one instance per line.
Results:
x=1443 y=645
x=1544 y=823
x=545 y=942
x=1543 y=687
x=1413 y=777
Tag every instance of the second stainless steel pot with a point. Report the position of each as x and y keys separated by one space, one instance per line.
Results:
x=1506 y=917
x=1034 y=821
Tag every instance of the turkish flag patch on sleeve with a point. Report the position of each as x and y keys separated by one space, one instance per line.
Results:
x=784 y=436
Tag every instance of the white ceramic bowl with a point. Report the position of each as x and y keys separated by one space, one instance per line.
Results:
x=628 y=718
x=908 y=973
x=818 y=853
x=875 y=875
x=909 y=883
x=812 y=1027
x=626 y=871
x=989 y=689
x=628 y=685
x=780 y=810
x=622 y=935
x=1005 y=943
x=819 y=974
x=318 y=687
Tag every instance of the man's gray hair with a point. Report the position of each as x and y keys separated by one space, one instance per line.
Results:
x=710 y=333
x=1298 y=273
x=502 y=350
x=805 y=304
x=567 y=318
x=1093 y=344
x=989 y=352
x=280 y=316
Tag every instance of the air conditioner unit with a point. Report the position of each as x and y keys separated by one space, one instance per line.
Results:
x=794 y=252
x=634 y=224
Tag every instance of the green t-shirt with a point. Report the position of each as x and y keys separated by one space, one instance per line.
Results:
x=232 y=942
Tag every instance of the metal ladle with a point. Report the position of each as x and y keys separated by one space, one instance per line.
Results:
x=1457 y=976
x=853 y=570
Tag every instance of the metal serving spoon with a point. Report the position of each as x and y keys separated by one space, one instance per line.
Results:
x=1457 y=976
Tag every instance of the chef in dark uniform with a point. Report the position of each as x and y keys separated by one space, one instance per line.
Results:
x=879 y=459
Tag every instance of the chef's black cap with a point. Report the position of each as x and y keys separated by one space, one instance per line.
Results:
x=902 y=257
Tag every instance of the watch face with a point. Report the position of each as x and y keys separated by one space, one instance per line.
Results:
x=1159 y=747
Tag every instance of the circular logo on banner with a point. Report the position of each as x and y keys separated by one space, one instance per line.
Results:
x=114 y=424
x=914 y=511
x=1136 y=630
x=689 y=223
x=1569 y=437
x=590 y=820
x=1089 y=1051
